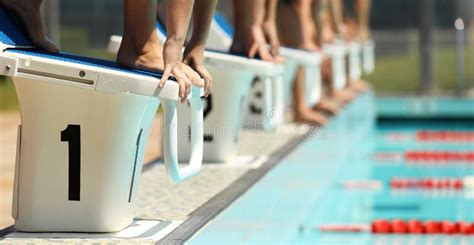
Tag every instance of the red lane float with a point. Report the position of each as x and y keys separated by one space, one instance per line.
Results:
x=431 y=183
x=448 y=136
x=433 y=157
x=398 y=226
x=415 y=227
x=402 y=183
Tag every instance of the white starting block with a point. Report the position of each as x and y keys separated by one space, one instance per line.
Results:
x=84 y=127
x=220 y=34
x=223 y=109
x=265 y=105
x=337 y=52
x=368 y=56
x=225 y=106
x=355 y=56
x=311 y=61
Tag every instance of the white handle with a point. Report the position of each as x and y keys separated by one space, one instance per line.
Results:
x=339 y=71
x=267 y=102
x=275 y=112
x=355 y=70
x=337 y=53
x=312 y=84
x=369 y=57
x=176 y=174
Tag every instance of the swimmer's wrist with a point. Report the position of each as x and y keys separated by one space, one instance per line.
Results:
x=175 y=40
x=255 y=28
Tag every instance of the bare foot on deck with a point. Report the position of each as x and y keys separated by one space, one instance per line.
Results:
x=252 y=46
x=270 y=32
x=327 y=106
x=364 y=34
x=310 y=117
x=27 y=13
x=343 y=96
x=359 y=86
x=150 y=58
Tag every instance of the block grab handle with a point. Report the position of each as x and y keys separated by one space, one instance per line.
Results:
x=175 y=173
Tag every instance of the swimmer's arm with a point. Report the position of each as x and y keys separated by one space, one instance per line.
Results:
x=305 y=10
x=337 y=12
x=270 y=28
x=203 y=13
x=363 y=12
x=257 y=12
x=323 y=18
x=178 y=14
x=323 y=15
x=270 y=10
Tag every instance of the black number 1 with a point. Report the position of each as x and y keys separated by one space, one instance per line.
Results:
x=72 y=135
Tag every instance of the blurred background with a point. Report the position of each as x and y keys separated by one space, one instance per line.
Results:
x=419 y=49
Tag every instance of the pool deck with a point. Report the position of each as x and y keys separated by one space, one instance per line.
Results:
x=161 y=212
x=168 y=213
x=161 y=207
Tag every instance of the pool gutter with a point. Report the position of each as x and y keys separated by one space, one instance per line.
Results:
x=208 y=211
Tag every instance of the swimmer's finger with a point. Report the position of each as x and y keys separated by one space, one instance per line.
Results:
x=165 y=76
x=46 y=44
x=195 y=77
x=184 y=84
x=207 y=79
x=253 y=51
x=265 y=55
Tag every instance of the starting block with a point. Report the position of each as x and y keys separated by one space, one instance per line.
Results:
x=311 y=61
x=368 y=56
x=223 y=108
x=265 y=104
x=355 y=56
x=84 y=126
x=337 y=52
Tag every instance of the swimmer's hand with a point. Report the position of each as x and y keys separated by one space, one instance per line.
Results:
x=271 y=33
x=327 y=35
x=185 y=76
x=194 y=58
x=257 y=44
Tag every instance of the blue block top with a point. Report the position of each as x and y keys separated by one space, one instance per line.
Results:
x=76 y=59
x=12 y=34
x=161 y=27
x=223 y=23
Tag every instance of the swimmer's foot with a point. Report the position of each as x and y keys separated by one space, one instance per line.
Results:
x=149 y=58
x=359 y=86
x=27 y=13
x=253 y=45
x=364 y=34
x=309 y=46
x=310 y=117
x=327 y=106
x=343 y=96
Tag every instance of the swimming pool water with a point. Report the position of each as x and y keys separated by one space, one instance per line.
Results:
x=289 y=203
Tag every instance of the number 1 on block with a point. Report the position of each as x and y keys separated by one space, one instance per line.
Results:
x=72 y=135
